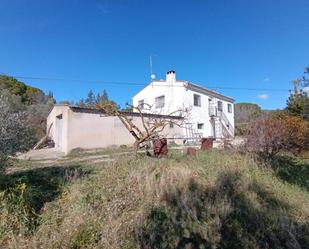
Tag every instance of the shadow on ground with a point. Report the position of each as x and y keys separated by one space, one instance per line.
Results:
x=39 y=185
x=234 y=213
x=292 y=170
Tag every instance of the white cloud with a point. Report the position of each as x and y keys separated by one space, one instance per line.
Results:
x=263 y=96
x=266 y=79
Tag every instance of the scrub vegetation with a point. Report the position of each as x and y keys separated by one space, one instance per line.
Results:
x=218 y=199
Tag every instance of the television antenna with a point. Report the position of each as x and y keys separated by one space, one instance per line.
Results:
x=152 y=76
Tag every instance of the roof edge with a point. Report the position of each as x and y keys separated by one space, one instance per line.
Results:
x=197 y=88
x=136 y=114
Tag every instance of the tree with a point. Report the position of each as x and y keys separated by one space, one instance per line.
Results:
x=15 y=134
x=305 y=80
x=36 y=117
x=90 y=101
x=245 y=112
x=81 y=103
x=101 y=98
x=298 y=105
x=151 y=126
x=29 y=95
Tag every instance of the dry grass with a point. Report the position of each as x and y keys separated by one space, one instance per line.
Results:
x=180 y=201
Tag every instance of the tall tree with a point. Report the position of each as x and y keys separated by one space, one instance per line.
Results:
x=298 y=102
x=102 y=98
x=305 y=78
x=90 y=101
x=81 y=103
x=298 y=105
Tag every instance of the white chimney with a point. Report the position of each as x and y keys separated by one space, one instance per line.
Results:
x=170 y=77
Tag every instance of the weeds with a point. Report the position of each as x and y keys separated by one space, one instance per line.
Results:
x=214 y=200
x=229 y=214
x=23 y=196
x=293 y=170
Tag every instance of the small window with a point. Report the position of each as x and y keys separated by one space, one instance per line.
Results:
x=171 y=125
x=141 y=104
x=196 y=100
x=220 y=107
x=200 y=126
x=229 y=108
x=159 y=101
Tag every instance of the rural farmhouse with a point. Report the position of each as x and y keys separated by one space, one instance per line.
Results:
x=210 y=114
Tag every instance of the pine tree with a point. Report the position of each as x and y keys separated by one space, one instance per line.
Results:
x=305 y=79
x=298 y=105
x=81 y=103
x=102 y=98
x=90 y=102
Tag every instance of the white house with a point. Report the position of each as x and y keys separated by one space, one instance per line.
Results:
x=211 y=113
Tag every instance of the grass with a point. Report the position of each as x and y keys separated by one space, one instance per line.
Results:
x=293 y=170
x=219 y=199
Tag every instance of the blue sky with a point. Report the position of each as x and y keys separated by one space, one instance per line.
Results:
x=241 y=43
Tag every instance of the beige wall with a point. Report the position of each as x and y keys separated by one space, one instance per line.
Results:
x=87 y=130
x=60 y=137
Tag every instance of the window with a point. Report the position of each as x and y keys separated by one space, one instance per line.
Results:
x=141 y=104
x=220 y=107
x=196 y=100
x=159 y=101
x=171 y=125
x=200 y=126
x=229 y=108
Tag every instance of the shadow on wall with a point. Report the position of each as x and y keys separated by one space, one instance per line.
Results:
x=234 y=213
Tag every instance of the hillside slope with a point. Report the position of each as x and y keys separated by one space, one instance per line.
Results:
x=219 y=199
x=28 y=94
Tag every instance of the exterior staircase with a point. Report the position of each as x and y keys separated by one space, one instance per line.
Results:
x=192 y=135
x=223 y=129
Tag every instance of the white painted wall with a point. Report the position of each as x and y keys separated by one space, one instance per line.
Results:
x=179 y=95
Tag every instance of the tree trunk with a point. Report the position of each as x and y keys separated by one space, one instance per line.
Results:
x=136 y=147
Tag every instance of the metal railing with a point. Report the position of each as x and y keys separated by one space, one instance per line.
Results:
x=228 y=125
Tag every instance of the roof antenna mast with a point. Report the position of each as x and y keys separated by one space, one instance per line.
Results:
x=152 y=76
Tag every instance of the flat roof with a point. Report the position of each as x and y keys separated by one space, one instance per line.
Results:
x=134 y=114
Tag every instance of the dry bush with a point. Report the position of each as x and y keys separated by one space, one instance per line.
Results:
x=267 y=137
x=295 y=133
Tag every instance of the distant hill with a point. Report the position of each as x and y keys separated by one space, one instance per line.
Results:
x=29 y=95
